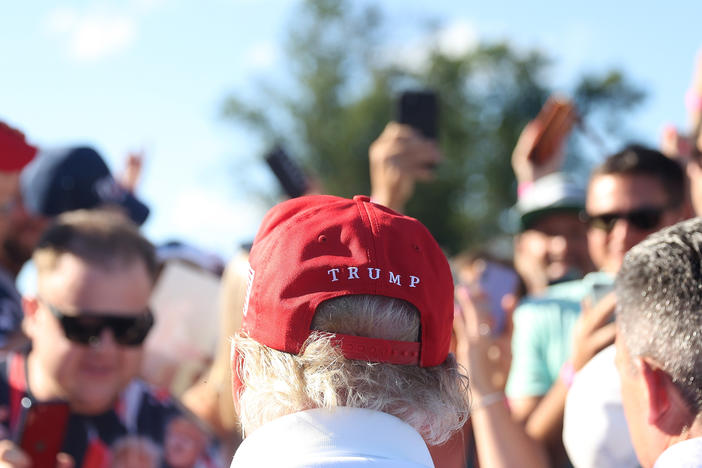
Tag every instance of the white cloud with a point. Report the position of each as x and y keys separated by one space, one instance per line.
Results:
x=457 y=38
x=453 y=40
x=208 y=218
x=261 y=56
x=91 y=35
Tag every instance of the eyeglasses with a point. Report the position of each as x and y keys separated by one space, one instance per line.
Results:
x=87 y=327
x=644 y=218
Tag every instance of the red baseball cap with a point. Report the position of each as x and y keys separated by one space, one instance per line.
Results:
x=15 y=152
x=314 y=248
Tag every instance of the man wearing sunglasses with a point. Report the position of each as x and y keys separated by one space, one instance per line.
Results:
x=632 y=194
x=87 y=325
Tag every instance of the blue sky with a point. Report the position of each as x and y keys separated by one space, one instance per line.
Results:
x=152 y=74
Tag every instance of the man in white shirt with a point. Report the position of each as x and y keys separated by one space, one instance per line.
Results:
x=659 y=346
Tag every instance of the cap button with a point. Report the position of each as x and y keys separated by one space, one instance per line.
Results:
x=362 y=198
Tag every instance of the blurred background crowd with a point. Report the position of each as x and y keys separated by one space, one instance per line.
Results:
x=537 y=150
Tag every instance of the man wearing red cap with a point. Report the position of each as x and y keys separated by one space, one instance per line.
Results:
x=15 y=153
x=342 y=358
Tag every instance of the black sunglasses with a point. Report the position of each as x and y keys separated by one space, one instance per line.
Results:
x=645 y=218
x=86 y=328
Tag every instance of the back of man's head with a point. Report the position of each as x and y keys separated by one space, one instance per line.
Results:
x=639 y=160
x=659 y=305
x=349 y=304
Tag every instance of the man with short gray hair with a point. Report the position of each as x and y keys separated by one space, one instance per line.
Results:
x=659 y=345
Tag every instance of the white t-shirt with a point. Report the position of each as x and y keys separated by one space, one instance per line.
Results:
x=340 y=437
x=595 y=432
x=685 y=454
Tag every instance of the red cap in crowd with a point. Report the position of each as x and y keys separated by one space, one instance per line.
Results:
x=15 y=152
x=311 y=249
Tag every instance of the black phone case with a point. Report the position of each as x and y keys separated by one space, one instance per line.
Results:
x=419 y=109
x=288 y=173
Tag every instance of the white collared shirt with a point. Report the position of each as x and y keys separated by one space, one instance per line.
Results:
x=340 y=437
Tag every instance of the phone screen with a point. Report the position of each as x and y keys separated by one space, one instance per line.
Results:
x=41 y=430
x=496 y=281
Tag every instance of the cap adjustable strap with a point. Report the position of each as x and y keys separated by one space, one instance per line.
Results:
x=362 y=348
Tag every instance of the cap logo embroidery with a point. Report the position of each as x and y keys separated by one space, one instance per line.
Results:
x=352 y=273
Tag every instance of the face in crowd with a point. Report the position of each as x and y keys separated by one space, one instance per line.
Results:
x=554 y=245
x=622 y=210
x=87 y=325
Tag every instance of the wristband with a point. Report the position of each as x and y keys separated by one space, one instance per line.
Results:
x=523 y=187
x=488 y=400
x=567 y=374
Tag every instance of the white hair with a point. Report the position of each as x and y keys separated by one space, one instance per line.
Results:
x=433 y=400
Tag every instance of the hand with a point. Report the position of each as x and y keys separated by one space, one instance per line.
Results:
x=676 y=146
x=486 y=357
x=399 y=157
x=132 y=171
x=593 y=331
x=11 y=456
x=539 y=150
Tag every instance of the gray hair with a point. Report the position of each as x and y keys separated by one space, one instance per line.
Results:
x=659 y=305
x=433 y=400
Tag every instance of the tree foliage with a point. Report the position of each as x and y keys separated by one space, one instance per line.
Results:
x=343 y=77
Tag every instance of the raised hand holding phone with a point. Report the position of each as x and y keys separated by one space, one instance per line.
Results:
x=399 y=158
x=540 y=148
x=38 y=436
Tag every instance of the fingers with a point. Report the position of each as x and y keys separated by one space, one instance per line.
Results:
x=13 y=456
x=597 y=315
x=594 y=331
x=469 y=319
x=64 y=460
x=602 y=337
x=509 y=304
x=406 y=149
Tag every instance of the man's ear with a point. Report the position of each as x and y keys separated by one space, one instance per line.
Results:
x=657 y=386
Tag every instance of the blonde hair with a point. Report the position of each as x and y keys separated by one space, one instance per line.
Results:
x=430 y=399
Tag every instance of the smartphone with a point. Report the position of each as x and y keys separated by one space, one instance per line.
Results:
x=420 y=110
x=598 y=291
x=41 y=430
x=290 y=175
x=554 y=121
x=496 y=281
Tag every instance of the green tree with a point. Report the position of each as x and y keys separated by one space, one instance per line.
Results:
x=339 y=96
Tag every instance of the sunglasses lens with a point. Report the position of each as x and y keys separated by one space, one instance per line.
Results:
x=130 y=331
x=81 y=329
x=604 y=222
x=645 y=219
x=127 y=331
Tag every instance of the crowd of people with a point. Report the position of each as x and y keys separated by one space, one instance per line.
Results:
x=345 y=335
